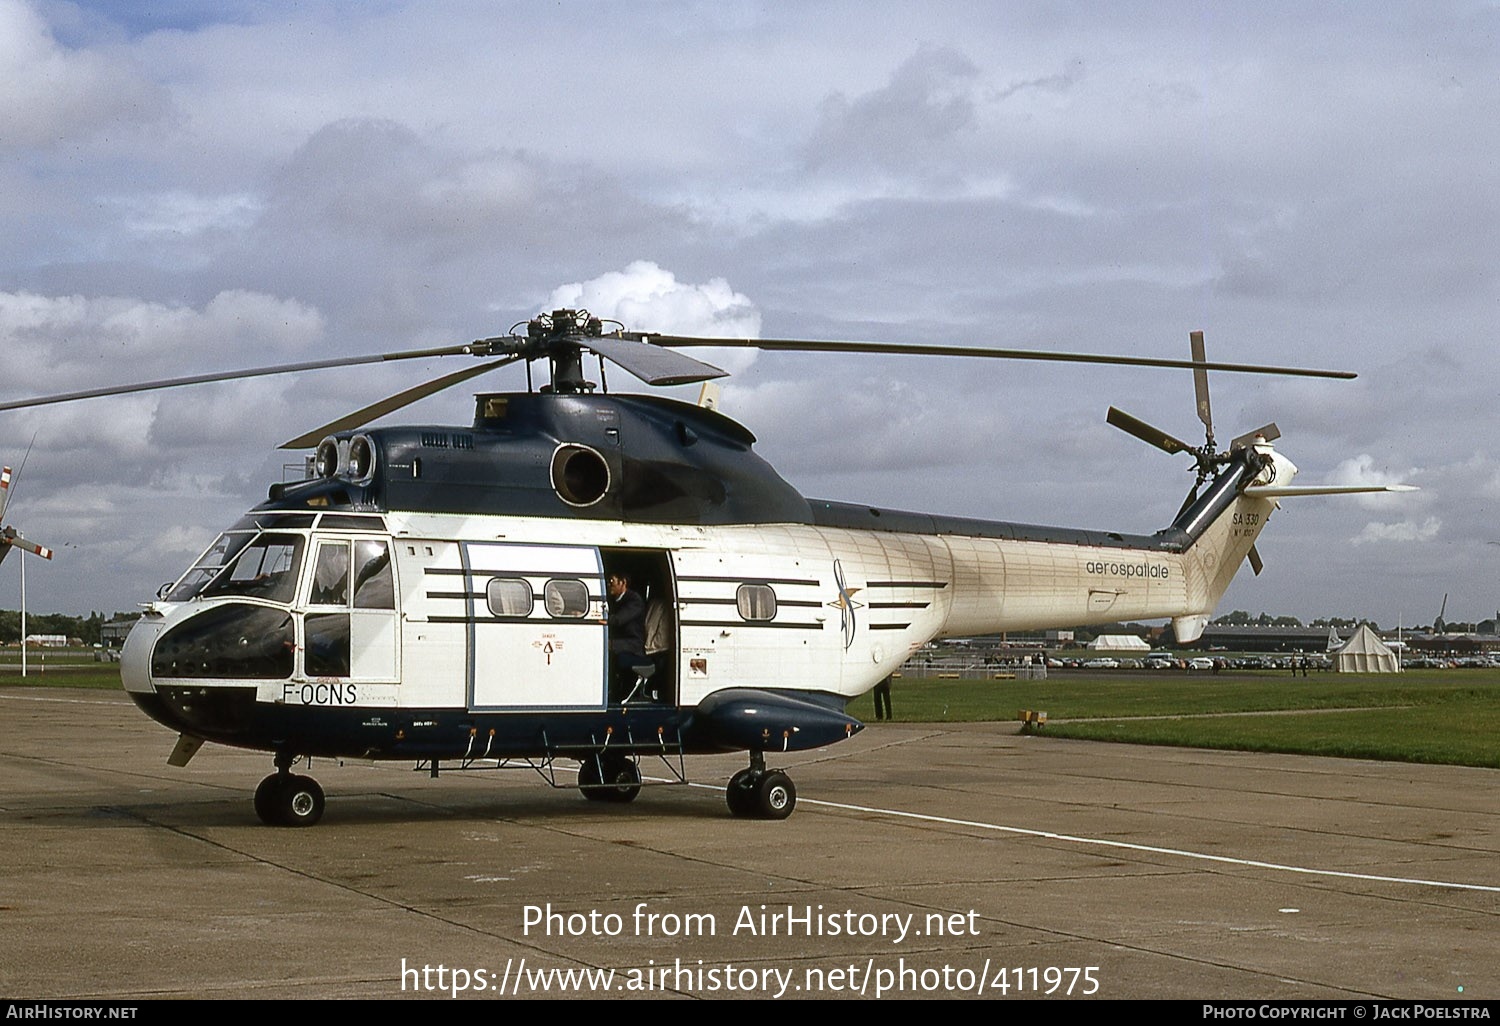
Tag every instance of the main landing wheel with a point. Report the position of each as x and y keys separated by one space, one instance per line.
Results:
x=609 y=778
x=284 y=799
x=760 y=794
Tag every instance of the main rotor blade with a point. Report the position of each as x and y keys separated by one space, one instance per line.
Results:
x=1146 y=432
x=652 y=364
x=258 y=372
x=919 y=349
x=1200 y=381
x=392 y=403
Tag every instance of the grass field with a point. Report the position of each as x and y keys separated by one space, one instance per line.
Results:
x=1440 y=716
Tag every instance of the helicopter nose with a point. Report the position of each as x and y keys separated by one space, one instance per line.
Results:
x=135 y=658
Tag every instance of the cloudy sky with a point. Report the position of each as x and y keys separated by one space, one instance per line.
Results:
x=203 y=186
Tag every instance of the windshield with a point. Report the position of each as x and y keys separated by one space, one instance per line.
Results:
x=264 y=566
x=209 y=564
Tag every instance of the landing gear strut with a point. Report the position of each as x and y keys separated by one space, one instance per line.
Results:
x=288 y=799
x=758 y=793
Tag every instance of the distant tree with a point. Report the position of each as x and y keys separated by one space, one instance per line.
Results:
x=1332 y=621
x=85 y=628
x=1240 y=618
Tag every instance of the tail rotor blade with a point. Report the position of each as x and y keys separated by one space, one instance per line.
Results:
x=5 y=476
x=1146 y=432
x=1255 y=561
x=1266 y=433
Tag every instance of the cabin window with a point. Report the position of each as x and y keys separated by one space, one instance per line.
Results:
x=567 y=598
x=756 y=602
x=509 y=596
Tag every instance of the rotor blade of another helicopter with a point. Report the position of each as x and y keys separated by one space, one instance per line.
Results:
x=1145 y=432
x=258 y=372
x=652 y=364
x=9 y=537
x=31 y=546
x=392 y=403
x=1200 y=381
x=920 y=349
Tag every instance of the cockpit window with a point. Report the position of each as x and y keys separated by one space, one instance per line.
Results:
x=266 y=568
x=224 y=549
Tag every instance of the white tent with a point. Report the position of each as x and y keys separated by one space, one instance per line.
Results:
x=1119 y=643
x=1365 y=653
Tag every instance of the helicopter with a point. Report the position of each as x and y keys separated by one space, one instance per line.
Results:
x=439 y=594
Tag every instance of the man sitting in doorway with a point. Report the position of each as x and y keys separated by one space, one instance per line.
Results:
x=627 y=632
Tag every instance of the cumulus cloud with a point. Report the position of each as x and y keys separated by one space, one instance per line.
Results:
x=1060 y=82
x=76 y=342
x=926 y=102
x=1362 y=470
x=648 y=297
x=50 y=95
x=1400 y=532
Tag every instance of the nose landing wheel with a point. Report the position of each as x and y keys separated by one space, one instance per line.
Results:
x=287 y=799
x=758 y=793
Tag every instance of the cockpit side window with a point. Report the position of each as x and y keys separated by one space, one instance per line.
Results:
x=331 y=575
x=371 y=586
x=374 y=587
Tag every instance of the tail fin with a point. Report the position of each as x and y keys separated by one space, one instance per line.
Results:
x=1219 y=529
x=1222 y=524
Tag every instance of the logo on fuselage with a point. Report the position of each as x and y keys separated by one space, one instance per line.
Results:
x=1110 y=568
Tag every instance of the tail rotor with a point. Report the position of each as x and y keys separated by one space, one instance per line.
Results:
x=1207 y=458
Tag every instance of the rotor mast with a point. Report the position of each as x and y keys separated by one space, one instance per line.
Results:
x=560 y=337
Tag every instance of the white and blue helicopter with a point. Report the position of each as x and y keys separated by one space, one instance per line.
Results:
x=438 y=593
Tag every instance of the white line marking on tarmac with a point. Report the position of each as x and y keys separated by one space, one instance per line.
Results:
x=62 y=701
x=1146 y=848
